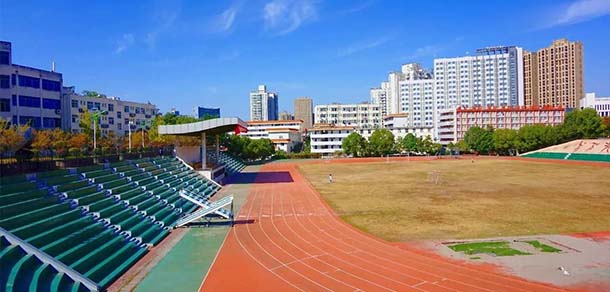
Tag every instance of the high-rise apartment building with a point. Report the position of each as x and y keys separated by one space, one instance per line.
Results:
x=263 y=105
x=492 y=77
x=303 y=110
x=379 y=95
x=554 y=75
x=29 y=95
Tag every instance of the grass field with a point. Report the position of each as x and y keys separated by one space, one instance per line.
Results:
x=398 y=201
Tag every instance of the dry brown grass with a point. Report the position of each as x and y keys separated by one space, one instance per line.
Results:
x=487 y=198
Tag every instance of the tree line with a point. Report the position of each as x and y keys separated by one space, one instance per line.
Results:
x=382 y=142
x=248 y=149
x=578 y=124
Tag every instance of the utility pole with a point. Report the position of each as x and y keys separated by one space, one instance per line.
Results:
x=129 y=126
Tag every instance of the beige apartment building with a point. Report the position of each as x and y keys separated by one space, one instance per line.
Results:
x=303 y=110
x=554 y=75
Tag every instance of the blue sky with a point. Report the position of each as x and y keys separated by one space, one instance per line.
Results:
x=212 y=53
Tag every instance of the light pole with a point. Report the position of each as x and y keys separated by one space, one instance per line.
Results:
x=129 y=126
x=146 y=124
x=95 y=115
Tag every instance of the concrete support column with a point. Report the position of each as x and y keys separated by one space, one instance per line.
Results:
x=203 y=150
x=217 y=148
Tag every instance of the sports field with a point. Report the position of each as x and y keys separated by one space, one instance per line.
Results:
x=451 y=199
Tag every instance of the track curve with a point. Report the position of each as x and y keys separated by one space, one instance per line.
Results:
x=295 y=242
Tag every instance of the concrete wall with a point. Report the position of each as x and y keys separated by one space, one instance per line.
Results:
x=189 y=154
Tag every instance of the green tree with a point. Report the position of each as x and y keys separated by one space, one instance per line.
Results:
x=505 y=141
x=381 y=142
x=409 y=143
x=93 y=94
x=354 y=144
x=426 y=145
x=606 y=126
x=581 y=124
x=259 y=149
x=479 y=139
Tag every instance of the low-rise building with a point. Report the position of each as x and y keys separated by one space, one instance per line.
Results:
x=119 y=113
x=600 y=104
x=286 y=135
x=400 y=126
x=29 y=95
x=364 y=117
x=327 y=139
x=454 y=124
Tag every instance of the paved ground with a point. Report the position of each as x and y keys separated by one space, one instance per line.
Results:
x=586 y=258
x=184 y=267
x=290 y=240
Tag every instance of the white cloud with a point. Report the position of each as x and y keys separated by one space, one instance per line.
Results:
x=285 y=16
x=225 y=20
x=358 y=7
x=578 y=11
x=425 y=51
x=165 y=15
x=355 y=48
x=126 y=41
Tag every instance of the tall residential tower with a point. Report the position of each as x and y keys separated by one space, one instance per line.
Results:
x=554 y=75
x=263 y=105
x=303 y=110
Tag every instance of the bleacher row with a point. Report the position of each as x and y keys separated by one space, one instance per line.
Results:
x=97 y=220
x=232 y=164
x=569 y=156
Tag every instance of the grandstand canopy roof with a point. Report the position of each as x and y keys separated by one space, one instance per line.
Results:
x=210 y=127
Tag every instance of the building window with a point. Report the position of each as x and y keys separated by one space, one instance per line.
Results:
x=111 y=107
x=4 y=57
x=74 y=118
x=5 y=81
x=27 y=81
x=51 y=85
x=29 y=101
x=89 y=105
x=32 y=121
x=5 y=105
x=51 y=103
x=75 y=103
x=118 y=115
x=50 y=122
x=111 y=121
x=126 y=109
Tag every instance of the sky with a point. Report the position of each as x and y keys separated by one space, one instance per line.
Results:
x=183 y=54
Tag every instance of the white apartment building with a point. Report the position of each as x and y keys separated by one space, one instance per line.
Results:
x=327 y=139
x=364 y=117
x=120 y=113
x=285 y=134
x=379 y=95
x=263 y=105
x=493 y=77
x=600 y=104
x=400 y=126
x=29 y=95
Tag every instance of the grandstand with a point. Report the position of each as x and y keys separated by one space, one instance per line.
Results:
x=231 y=163
x=586 y=150
x=80 y=229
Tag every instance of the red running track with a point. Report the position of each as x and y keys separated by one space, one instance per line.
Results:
x=295 y=242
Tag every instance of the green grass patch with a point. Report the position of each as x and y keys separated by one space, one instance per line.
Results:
x=497 y=248
x=543 y=247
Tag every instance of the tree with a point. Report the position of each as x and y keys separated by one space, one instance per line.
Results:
x=505 y=141
x=606 y=126
x=426 y=145
x=479 y=139
x=59 y=143
x=93 y=94
x=41 y=142
x=77 y=143
x=409 y=143
x=259 y=149
x=354 y=144
x=381 y=142
x=11 y=137
x=86 y=125
x=581 y=124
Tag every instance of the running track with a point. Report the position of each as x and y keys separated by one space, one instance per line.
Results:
x=295 y=242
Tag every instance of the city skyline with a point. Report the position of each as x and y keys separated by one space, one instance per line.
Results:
x=125 y=56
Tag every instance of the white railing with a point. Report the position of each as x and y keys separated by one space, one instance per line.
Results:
x=47 y=259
